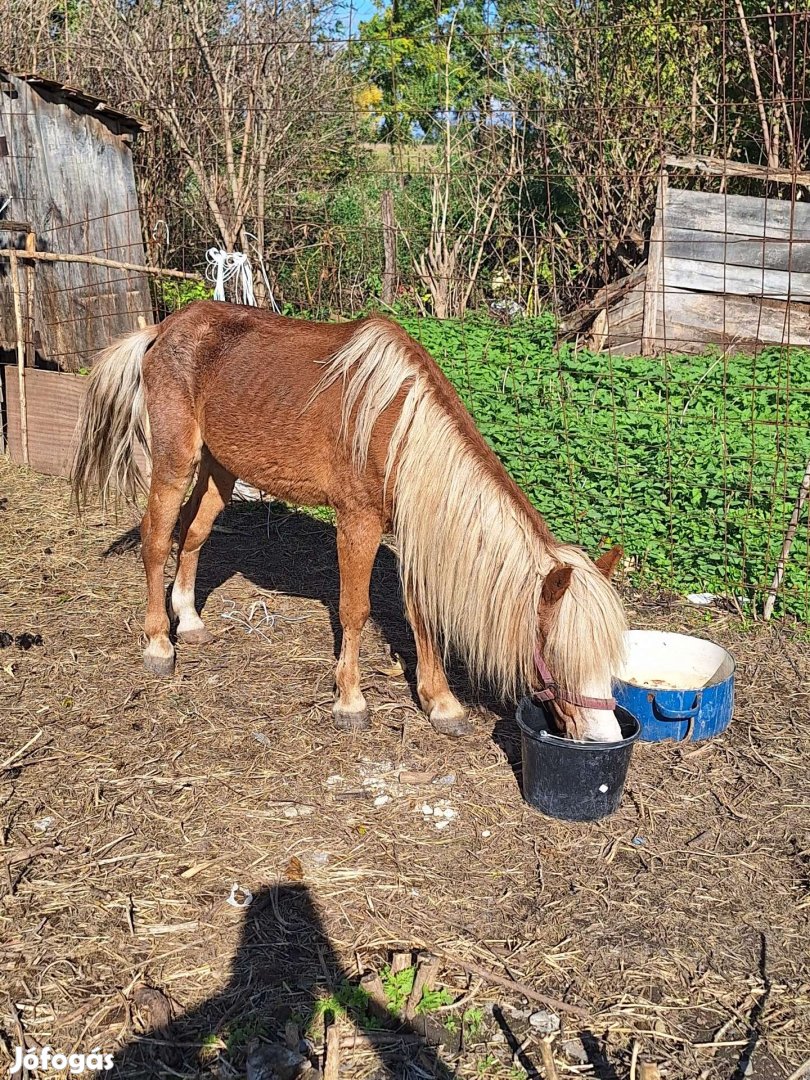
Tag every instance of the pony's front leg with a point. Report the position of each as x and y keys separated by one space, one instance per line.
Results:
x=358 y=538
x=445 y=712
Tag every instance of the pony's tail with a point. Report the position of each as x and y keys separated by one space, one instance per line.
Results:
x=113 y=423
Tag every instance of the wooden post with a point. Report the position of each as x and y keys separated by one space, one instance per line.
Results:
x=787 y=544
x=30 y=247
x=389 y=279
x=654 y=281
x=20 y=331
x=331 y=1064
x=377 y=1001
x=402 y=960
x=427 y=968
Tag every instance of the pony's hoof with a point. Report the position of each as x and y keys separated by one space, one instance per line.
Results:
x=351 y=721
x=195 y=637
x=159 y=665
x=455 y=726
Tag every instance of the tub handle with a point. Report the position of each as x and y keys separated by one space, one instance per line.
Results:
x=677 y=714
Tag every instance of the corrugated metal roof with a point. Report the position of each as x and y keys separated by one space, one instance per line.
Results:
x=72 y=96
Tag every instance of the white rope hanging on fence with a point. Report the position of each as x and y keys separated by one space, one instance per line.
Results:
x=222 y=266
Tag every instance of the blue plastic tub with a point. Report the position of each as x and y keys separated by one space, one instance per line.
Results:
x=679 y=687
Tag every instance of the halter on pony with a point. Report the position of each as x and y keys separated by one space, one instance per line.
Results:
x=550 y=691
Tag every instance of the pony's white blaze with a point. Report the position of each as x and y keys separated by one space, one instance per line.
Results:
x=470 y=553
x=599 y=725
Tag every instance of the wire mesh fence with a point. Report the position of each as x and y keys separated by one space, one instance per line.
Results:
x=594 y=216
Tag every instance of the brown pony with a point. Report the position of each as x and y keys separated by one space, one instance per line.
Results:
x=356 y=416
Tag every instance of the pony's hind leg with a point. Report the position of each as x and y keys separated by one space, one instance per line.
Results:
x=445 y=712
x=358 y=538
x=211 y=492
x=176 y=445
x=165 y=496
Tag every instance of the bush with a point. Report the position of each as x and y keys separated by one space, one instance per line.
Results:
x=173 y=294
x=692 y=463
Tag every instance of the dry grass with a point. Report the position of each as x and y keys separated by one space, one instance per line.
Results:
x=680 y=925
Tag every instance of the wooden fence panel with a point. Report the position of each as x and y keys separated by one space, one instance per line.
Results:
x=737 y=280
x=739 y=321
x=716 y=247
x=54 y=403
x=739 y=215
x=54 y=400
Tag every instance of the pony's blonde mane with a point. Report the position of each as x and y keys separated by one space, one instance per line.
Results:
x=472 y=556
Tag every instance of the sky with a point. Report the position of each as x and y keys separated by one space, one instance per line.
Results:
x=360 y=10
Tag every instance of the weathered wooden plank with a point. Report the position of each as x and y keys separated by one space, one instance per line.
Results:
x=738 y=280
x=54 y=400
x=741 y=215
x=628 y=311
x=607 y=296
x=712 y=166
x=718 y=247
x=689 y=320
x=728 y=319
x=625 y=348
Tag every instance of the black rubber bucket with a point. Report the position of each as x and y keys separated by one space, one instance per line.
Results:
x=574 y=781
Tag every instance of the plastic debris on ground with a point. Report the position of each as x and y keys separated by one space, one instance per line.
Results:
x=240 y=896
x=256 y=618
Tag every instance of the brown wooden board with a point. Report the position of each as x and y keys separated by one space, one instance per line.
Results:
x=740 y=215
x=54 y=400
x=623 y=322
x=689 y=320
x=738 y=280
x=718 y=247
x=54 y=403
x=732 y=320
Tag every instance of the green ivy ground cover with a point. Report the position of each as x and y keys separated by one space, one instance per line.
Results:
x=692 y=463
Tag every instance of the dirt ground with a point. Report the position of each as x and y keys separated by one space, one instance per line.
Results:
x=129 y=807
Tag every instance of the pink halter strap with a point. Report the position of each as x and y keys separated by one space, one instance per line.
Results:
x=550 y=691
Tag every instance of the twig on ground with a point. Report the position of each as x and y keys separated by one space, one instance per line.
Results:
x=513 y=984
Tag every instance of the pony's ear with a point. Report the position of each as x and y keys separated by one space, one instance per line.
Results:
x=557 y=581
x=608 y=562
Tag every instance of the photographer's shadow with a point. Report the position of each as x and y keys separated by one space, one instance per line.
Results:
x=285 y=976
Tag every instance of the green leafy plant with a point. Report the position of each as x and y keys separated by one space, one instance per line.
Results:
x=397 y=987
x=433 y=1000
x=238 y=1034
x=693 y=464
x=473 y=1019
x=348 y=1000
x=174 y=294
x=487 y=1063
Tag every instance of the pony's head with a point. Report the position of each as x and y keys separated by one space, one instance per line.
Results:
x=580 y=643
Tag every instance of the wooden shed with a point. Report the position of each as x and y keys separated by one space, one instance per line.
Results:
x=725 y=270
x=67 y=185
